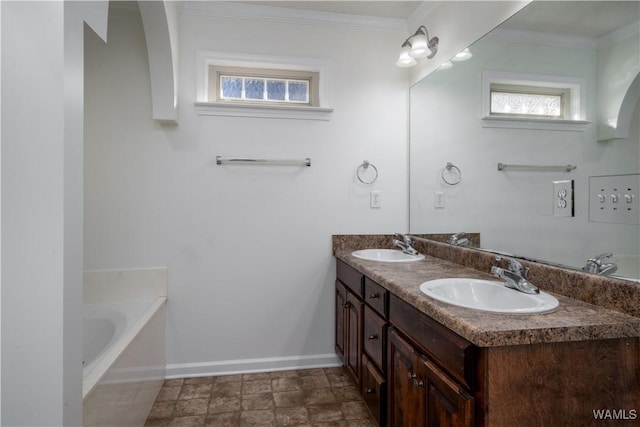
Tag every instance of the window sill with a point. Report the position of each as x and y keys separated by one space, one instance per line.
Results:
x=263 y=111
x=534 y=124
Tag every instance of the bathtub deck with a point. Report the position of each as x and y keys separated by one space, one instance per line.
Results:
x=300 y=397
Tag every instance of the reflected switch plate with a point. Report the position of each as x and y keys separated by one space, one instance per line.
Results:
x=563 y=198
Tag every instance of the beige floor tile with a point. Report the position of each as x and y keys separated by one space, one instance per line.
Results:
x=197 y=391
x=227 y=419
x=325 y=413
x=253 y=402
x=292 y=416
x=285 y=384
x=288 y=399
x=320 y=396
x=219 y=404
x=262 y=418
x=193 y=421
x=256 y=386
x=191 y=407
x=314 y=382
x=302 y=398
x=226 y=388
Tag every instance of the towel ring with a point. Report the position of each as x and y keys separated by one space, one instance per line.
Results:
x=453 y=170
x=362 y=170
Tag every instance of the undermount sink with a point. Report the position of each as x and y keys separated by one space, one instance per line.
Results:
x=488 y=295
x=386 y=255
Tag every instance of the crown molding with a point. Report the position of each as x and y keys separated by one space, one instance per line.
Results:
x=619 y=35
x=253 y=12
x=419 y=16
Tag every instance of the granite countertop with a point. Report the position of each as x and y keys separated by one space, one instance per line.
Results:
x=573 y=320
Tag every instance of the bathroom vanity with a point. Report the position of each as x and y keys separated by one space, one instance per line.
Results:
x=420 y=362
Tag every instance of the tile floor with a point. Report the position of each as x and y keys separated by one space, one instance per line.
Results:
x=309 y=397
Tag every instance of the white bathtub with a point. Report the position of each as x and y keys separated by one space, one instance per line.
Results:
x=124 y=354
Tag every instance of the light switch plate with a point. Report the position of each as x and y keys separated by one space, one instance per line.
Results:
x=563 y=198
x=438 y=200
x=614 y=199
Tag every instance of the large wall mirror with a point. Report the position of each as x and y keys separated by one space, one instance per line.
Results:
x=455 y=182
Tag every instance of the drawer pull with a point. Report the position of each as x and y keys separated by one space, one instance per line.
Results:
x=369 y=390
x=418 y=383
x=373 y=337
x=374 y=296
x=411 y=376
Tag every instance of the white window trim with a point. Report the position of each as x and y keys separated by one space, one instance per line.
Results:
x=577 y=108
x=302 y=112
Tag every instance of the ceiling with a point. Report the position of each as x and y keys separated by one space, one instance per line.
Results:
x=384 y=9
x=583 y=18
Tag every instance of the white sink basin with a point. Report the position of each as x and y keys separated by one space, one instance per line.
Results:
x=488 y=295
x=386 y=255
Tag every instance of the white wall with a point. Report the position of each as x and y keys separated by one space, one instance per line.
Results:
x=248 y=247
x=42 y=210
x=513 y=210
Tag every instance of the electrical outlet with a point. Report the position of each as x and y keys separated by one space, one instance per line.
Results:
x=614 y=199
x=375 y=201
x=563 y=198
x=438 y=200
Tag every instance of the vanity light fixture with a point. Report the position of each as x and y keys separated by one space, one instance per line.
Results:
x=417 y=46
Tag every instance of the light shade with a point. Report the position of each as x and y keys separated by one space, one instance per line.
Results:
x=445 y=66
x=405 y=59
x=420 y=46
x=462 y=56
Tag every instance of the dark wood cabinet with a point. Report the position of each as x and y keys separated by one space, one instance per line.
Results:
x=413 y=371
x=447 y=403
x=353 y=350
x=406 y=393
x=340 y=308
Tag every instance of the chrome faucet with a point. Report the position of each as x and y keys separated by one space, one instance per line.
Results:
x=459 y=239
x=595 y=265
x=404 y=244
x=515 y=276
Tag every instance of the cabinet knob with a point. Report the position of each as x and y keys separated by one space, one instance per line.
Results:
x=411 y=375
x=369 y=390
x=374 y=296
x=373 y=337
x=418 y=383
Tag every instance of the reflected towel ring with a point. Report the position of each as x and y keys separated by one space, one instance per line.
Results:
x=363 y=169
x=453 y=170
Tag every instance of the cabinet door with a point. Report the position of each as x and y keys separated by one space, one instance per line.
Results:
x=353 y=344
x=447 y=403
x=405 y=392
x=374 y=337
x=373 y=389
x=341 y=305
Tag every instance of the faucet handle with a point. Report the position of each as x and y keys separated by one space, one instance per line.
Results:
x=598 y=259
x=514 y=265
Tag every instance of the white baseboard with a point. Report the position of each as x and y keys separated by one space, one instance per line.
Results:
x=243 y=366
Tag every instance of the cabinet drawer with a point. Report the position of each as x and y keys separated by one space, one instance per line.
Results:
x=374 y=336
x=351 y=277
x=376 y=296
x=452 y=352
x=373 y=390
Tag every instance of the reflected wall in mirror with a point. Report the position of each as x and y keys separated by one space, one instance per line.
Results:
x=595 y=43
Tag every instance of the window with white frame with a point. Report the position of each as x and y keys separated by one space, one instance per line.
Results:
x=244 y=85
x=529 y=101
x=532 y=101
